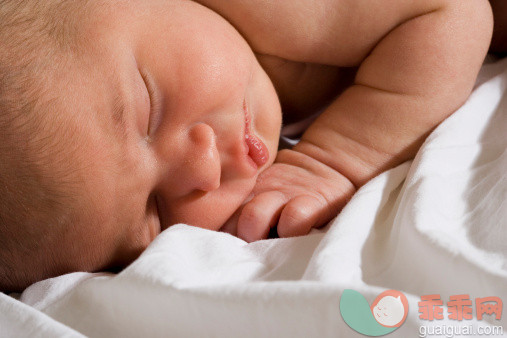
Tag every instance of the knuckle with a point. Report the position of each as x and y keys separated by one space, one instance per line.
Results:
x=296 y=213
x=267 y=181
x=252 y=214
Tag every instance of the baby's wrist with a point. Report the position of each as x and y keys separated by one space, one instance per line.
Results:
x=303 y=160
x=358 y=167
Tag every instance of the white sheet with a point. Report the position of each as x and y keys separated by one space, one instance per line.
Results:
x=437 y=225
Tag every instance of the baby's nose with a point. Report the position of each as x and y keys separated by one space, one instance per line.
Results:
x=203 y=168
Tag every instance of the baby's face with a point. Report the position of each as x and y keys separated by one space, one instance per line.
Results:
x=155 y=104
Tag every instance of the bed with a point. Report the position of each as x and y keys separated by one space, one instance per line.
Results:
x=435 y=226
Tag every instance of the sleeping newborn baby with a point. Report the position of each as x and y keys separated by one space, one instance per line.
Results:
x=120 y=118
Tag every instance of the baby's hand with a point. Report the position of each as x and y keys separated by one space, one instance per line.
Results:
x=296 y=194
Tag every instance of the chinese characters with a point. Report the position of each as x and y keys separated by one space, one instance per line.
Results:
x=459 y=307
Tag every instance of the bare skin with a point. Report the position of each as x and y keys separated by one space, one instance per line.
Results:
x=153 y=106
x=417 y=63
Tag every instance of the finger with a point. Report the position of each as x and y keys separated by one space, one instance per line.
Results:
x=231 y=225
x=259 y=215
x=300 y=215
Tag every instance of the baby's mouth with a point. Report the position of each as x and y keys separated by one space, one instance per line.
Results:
x=257 y=150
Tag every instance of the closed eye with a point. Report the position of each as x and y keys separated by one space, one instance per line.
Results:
x=153 y=114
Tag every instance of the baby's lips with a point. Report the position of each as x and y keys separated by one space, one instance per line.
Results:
x=257 y=150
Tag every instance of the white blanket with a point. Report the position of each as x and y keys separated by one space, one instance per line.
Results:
x=435 y=225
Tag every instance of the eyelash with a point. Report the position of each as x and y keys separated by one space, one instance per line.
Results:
x=151 y=95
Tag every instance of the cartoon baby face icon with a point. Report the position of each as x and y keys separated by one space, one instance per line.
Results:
x=390 y=308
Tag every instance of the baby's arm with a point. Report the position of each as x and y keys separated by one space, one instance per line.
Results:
x=417 y=65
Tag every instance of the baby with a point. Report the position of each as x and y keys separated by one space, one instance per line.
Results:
x=119 y=118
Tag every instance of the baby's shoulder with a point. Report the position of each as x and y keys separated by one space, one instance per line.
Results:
x=304 y=88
